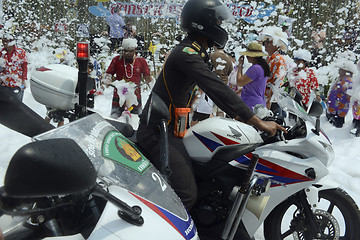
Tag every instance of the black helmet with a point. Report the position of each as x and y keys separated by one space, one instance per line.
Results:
x=203 y=17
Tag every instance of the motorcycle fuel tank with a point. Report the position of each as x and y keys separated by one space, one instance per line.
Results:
x=204 y=139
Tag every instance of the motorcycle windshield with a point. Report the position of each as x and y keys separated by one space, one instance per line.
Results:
x=288 y=104
x=118 y=161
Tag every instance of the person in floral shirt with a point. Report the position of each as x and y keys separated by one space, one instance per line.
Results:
x=13 y=67
x=303 y=78
x=274 y=40
x=338 y=100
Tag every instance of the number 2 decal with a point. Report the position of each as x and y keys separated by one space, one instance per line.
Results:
x=162 y=183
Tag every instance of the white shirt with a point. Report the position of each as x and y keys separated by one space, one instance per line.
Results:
x=205 y=104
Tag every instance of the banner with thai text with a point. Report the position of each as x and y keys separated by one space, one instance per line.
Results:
x=248 y=13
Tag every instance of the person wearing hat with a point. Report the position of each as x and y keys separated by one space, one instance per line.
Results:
x=274 y=40
x=255 y=78
x=338 y=100
x=318 y=36
x=131 y=68
x=303 y=77
x=13 y=65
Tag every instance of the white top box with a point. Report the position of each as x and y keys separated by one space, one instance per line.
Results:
x=54 y=86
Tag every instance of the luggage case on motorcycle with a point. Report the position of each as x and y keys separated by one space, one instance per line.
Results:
x=54 y=86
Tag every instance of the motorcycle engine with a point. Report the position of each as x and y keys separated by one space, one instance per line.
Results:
x=212 y=209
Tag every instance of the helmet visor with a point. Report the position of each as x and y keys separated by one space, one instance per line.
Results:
x=223 y=13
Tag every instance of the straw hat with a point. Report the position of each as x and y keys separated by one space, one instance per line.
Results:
x=254 y=50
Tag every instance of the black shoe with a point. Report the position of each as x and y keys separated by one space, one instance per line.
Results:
x=338 y=121
x=356 y=123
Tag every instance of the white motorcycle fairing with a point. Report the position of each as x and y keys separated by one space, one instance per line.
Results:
x=289 y=165
x=129 y=176
x=108 y=225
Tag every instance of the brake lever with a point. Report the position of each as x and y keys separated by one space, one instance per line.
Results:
x=282 y=137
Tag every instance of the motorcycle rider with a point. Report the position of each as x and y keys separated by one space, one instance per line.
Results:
x=185 y=67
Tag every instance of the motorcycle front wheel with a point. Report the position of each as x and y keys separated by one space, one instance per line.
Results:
x=337 y=215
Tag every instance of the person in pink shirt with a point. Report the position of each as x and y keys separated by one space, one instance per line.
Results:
x=13 y=67
x=131 y=68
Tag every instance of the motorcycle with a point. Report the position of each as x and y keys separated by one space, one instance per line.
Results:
x=84 y=180
x=246 y=179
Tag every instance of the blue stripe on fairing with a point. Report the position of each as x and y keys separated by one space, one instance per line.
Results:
x=210 y=144
x=186 y=228
x=246 y=161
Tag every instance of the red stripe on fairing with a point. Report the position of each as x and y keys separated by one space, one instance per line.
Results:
x=279 y=171
x=225 y=140
x=156 y=210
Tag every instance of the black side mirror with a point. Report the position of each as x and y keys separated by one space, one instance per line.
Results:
x=295 y=94
x=49 y=168
x=316 y=109
x=158 y=111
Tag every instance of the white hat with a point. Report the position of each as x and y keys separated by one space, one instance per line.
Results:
x=302 y=54
x=276 y=35
x=129 y=44
x=346 y=64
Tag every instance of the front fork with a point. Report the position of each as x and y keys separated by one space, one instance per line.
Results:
x=308 y=201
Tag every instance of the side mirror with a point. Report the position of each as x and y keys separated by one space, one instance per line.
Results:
x=295 y=94
x=316 y=109
x=49 y=168
x=158 y=111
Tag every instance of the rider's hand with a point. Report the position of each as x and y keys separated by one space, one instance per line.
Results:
x=267 y=126
x=270 y=127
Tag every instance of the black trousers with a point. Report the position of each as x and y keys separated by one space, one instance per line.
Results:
x=182 y=178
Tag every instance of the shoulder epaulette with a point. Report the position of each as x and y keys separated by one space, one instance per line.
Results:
x=196 y=46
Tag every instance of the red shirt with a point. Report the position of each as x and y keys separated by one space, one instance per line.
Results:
x=305 y=84
x=15 y=68
x=129 y=71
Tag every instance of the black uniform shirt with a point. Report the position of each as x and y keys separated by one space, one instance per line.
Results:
x=186 y=67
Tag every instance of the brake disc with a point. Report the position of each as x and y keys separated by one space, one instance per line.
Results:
x=328 y=224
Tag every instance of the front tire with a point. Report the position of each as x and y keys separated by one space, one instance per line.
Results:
x=337 y=215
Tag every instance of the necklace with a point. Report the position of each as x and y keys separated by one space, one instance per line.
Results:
x=132 y=68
